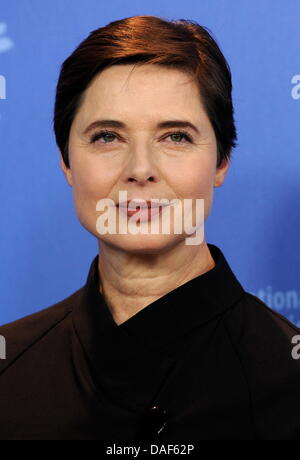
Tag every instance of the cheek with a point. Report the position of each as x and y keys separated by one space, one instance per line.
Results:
x=195 y=179
x=89 y=182
x=89 y=186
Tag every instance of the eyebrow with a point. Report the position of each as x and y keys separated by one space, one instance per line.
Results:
x=160 y=125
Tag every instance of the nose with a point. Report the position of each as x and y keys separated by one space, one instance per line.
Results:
x=141 y=167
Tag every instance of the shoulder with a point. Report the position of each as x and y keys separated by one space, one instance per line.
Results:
x=263 y=341
x=258 y=320
x=259 y=333
x=18 y=336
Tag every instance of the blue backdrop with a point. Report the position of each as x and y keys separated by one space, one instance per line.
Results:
x=45 y=252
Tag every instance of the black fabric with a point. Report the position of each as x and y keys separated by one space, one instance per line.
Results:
x=207 y=361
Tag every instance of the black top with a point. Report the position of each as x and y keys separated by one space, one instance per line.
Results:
x=205 y=361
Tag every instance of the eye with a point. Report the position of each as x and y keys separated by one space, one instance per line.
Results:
x=100 y=134
x=183 y=134
x=109 y=135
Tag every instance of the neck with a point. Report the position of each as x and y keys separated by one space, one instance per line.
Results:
x=130 y=281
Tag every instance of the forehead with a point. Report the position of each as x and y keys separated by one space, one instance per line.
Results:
x=141 y=91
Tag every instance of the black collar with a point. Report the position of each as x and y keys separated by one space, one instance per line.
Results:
x=194 y=303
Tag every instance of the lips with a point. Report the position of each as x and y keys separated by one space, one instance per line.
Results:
x=144 y=214
x=147 y=209
x=141 y=204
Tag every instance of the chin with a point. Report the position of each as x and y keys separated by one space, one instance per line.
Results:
x=143 y=244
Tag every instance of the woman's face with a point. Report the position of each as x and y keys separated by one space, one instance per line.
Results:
x=140 y=157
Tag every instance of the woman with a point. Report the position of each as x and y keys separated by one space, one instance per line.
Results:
x=162 y=342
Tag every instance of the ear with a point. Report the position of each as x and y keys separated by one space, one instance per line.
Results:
x=66 y=171
x=221 y=172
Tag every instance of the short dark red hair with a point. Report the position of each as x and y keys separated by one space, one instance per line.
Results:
x=178 y=44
